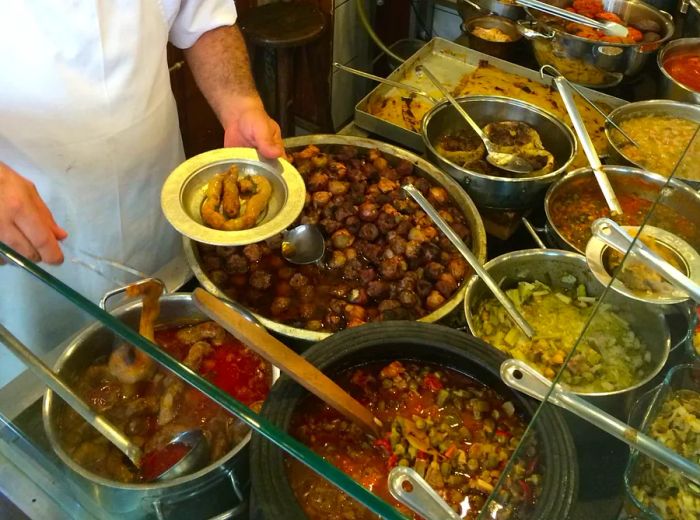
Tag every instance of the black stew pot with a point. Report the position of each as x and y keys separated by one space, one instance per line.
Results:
x=387 y=341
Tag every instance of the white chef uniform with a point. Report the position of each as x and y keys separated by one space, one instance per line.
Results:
x=87 y=114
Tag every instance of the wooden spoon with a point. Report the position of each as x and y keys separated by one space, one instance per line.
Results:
x=257 y=339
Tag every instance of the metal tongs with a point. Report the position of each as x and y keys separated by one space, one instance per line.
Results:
x=519 y=375
x=563 y=85
x=609 y=28
x=614 y=236
x=386 y=81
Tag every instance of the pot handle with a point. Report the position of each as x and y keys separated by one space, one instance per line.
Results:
x=474 y=5
x=666 y=15
x=526 y=28
x=119 y=290
x=534 y=232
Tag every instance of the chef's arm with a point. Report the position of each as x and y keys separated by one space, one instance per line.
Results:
x=219 y=62
x=26 y=224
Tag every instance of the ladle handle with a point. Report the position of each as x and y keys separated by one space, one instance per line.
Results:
x=519 y=375
x=51 y=380
x=453 y=101
x=471 y=259
x=613 y=235
x=588 y=147
x=533 y=233
x=386 y=81
x=419 y=496
x=257 y=339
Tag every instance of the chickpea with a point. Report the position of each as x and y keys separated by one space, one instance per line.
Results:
x=342 y=239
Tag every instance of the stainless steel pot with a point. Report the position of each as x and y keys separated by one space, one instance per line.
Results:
x=500 y=192
x=669 y=87
x=551 y=266
x=649 y=108
x=214 y=485
x=422 y=168
x=507 y=10
x=627 y=180
x=593 y=63
x=503 y=50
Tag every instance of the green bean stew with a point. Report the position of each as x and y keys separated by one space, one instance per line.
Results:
x=455 y=432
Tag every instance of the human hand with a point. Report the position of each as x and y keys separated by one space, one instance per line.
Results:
x=251 y=126
x=26 y=224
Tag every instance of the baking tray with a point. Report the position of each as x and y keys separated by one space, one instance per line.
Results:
x=449 y=62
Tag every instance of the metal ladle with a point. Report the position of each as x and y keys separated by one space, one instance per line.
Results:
x=505 y=161
x=386 y=81
x=521 y=376
x=609 y=28
x=196 y=458
x=591 y=154
x=409 y=488
x=471 y=259
x=303 y=244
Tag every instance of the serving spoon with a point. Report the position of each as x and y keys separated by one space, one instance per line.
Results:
x=589 y=149
x=303 y=244
x=609 y=28
x=453 y=237
x=409 y=488
x=386 y=81
x=258 y=340
x=196 y=458
x=505 y=161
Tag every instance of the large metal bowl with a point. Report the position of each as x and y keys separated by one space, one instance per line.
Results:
x=627 y=180
x=422 y=168
x=500 y=192
x=551 y=266
x=669 y=87
x=657 y=107
x=141 y=500
x=594 y=63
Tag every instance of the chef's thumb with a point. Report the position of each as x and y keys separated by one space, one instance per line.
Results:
x=269 y=143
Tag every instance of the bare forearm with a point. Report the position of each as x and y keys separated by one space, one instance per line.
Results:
x=220 y=65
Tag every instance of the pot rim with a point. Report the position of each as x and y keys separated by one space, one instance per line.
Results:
x=669 y=46
x=477 y=229
x=467 y=26
x=515 y=256
x=74 y=345
x=668 y=24
x=566 y=131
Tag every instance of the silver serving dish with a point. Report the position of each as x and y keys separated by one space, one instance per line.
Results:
x=505 y=9
x=658 y=107
x=683 y=253
x=185 y=188
x=627 y=180
x=550 y=267
x=422 y=168
x=669 y=88
x=487 y=190
x=139 y=500
x=593 y=63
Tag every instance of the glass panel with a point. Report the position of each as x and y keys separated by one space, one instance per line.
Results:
x=624 y=347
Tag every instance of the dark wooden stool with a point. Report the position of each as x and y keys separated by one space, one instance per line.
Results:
x=283 y=27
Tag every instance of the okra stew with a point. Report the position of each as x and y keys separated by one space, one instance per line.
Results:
x=454 y=431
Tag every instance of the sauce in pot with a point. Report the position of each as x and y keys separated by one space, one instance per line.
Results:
x=685 y=69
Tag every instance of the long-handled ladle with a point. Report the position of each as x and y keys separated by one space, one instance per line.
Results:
x=609 y=28
x=513 y=312
x=521 y=376
x=284 y=358
x=386 y=81
x=196 y=458
x=589 y=149
x=505 y=161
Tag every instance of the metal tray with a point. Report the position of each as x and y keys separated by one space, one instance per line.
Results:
x=449 y=62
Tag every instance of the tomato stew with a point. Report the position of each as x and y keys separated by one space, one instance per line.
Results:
x=153 y=410
x=385 y=259
x=685 y=68
x=457 y=433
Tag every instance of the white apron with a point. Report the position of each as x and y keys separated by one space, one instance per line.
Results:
x=87 y=114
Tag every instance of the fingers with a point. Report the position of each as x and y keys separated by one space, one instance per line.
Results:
x=255 y=128
x=14 y=238
x=34 y=226
x=270 y=142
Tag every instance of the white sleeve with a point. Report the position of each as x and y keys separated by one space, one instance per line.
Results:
x=189 y=19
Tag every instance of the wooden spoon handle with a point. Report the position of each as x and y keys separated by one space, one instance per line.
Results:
x=257 y=339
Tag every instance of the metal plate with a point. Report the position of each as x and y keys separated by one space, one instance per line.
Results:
x=450 y=62
x=684 y=252
x=184 y=190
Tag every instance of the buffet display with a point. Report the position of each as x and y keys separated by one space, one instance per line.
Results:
x=370 y=303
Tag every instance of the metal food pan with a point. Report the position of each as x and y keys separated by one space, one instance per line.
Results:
x=449 y=62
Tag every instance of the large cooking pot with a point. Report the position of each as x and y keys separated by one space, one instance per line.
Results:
x=669 y=87
x=593 y=63
x=215 y=486
x=627 y=180
x=422 y=168
x=384 y=342
x=489 y=191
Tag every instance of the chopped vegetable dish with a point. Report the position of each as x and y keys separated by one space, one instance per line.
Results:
x=609 y=357
x=455 y=432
